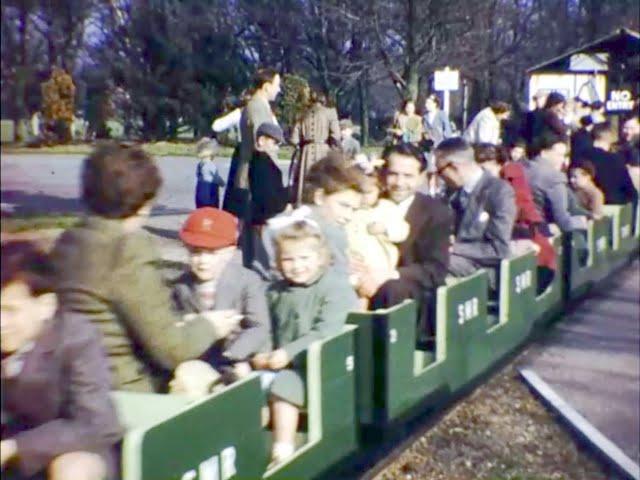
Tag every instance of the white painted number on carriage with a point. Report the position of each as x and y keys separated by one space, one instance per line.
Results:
x=625 y=231
x=217 y=467
x=523 y=281
x=393 y=335
x=468 y=310
x=349 y=363
x=601 y=244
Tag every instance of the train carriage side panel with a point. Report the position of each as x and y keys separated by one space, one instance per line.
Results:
x=517 y=311
x=217 y=437
x=331 y=408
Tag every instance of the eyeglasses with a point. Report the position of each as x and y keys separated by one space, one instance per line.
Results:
x=443 y=168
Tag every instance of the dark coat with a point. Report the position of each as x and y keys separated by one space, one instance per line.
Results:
x=269 y=196
x=612 y=177
x=59 y=402
x=424 y=255
x=581 y=143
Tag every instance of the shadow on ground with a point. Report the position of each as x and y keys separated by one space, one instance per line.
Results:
x=24 y=203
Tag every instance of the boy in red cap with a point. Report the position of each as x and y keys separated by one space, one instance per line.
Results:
x=218 y=281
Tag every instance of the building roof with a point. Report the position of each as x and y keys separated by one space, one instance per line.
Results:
x=623 y=42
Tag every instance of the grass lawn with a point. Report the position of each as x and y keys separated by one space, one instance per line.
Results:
x=158 y=149
x=17 y=224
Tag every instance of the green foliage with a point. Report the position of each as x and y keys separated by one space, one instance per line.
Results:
x=294 y=99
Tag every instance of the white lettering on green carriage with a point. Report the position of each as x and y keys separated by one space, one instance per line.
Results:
x=349 y=363
x=393 y=335
x=523 y=281
x=601 y=244
x=222 y=467
x=468 y=310
x=625 y=231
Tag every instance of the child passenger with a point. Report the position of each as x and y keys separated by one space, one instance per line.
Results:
x=589 y=196
x=208 y=179
x=376 y=228
x=217 y=281
x=57 y=415
x=310 y=303
x=332 y=193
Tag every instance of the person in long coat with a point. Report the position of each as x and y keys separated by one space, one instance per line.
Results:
x=256 y=112
x=315 y=134
x=436 y=124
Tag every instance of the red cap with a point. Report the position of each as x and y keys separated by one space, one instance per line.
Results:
x=209 y=227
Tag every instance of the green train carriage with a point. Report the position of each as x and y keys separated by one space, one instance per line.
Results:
x=371 y=376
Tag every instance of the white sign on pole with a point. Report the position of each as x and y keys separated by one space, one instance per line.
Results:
x=446 y=79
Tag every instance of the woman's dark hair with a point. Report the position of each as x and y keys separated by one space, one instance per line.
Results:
x=435 y=99
x=23 y=261
x=487 y=152
x=553 y=99
x=262 y=76
x=318 y=96
x=587 y=166
x=500 y=107
x=405 y=103
x=406 y=149
x=586 y=120
x=332 y=174
x=117 y=180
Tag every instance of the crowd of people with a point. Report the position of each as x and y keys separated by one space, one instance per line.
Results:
x=281 y=264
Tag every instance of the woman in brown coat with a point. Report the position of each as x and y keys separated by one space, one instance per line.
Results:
x=315 y=134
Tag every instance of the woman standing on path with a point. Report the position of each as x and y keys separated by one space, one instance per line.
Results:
x=315 y=134
x=407 y=125
x=256 y=112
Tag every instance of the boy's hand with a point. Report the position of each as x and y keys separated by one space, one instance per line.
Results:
x=260 y=361
x=223 y=321
x=278 y=359
x=241 y=369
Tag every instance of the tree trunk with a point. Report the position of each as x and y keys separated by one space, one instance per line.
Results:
x=411 y=76
x=363 y=87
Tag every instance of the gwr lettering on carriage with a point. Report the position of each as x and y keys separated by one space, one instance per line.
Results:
x=523 y=281
x=222 y=467
x=468 y=310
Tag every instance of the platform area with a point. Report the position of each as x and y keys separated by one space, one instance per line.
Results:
x=592 y=359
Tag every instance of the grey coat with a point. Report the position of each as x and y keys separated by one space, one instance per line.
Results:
x=439 y=129
x=59 y=401
x=484 y=229
x=551 y=194
x=255 y=113
x=239 y=289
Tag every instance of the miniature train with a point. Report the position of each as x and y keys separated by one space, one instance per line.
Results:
x=371 y=375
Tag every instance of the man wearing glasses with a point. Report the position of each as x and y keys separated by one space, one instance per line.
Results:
x=484 y=208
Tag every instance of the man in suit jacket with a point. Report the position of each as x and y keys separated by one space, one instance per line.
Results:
x=424 y=255
x=612 y=176
x=256 y=112
x=485 y=210
x=56 y=411
x=549 y=183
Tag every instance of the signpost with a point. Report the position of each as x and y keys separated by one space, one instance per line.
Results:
x=445 y=81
